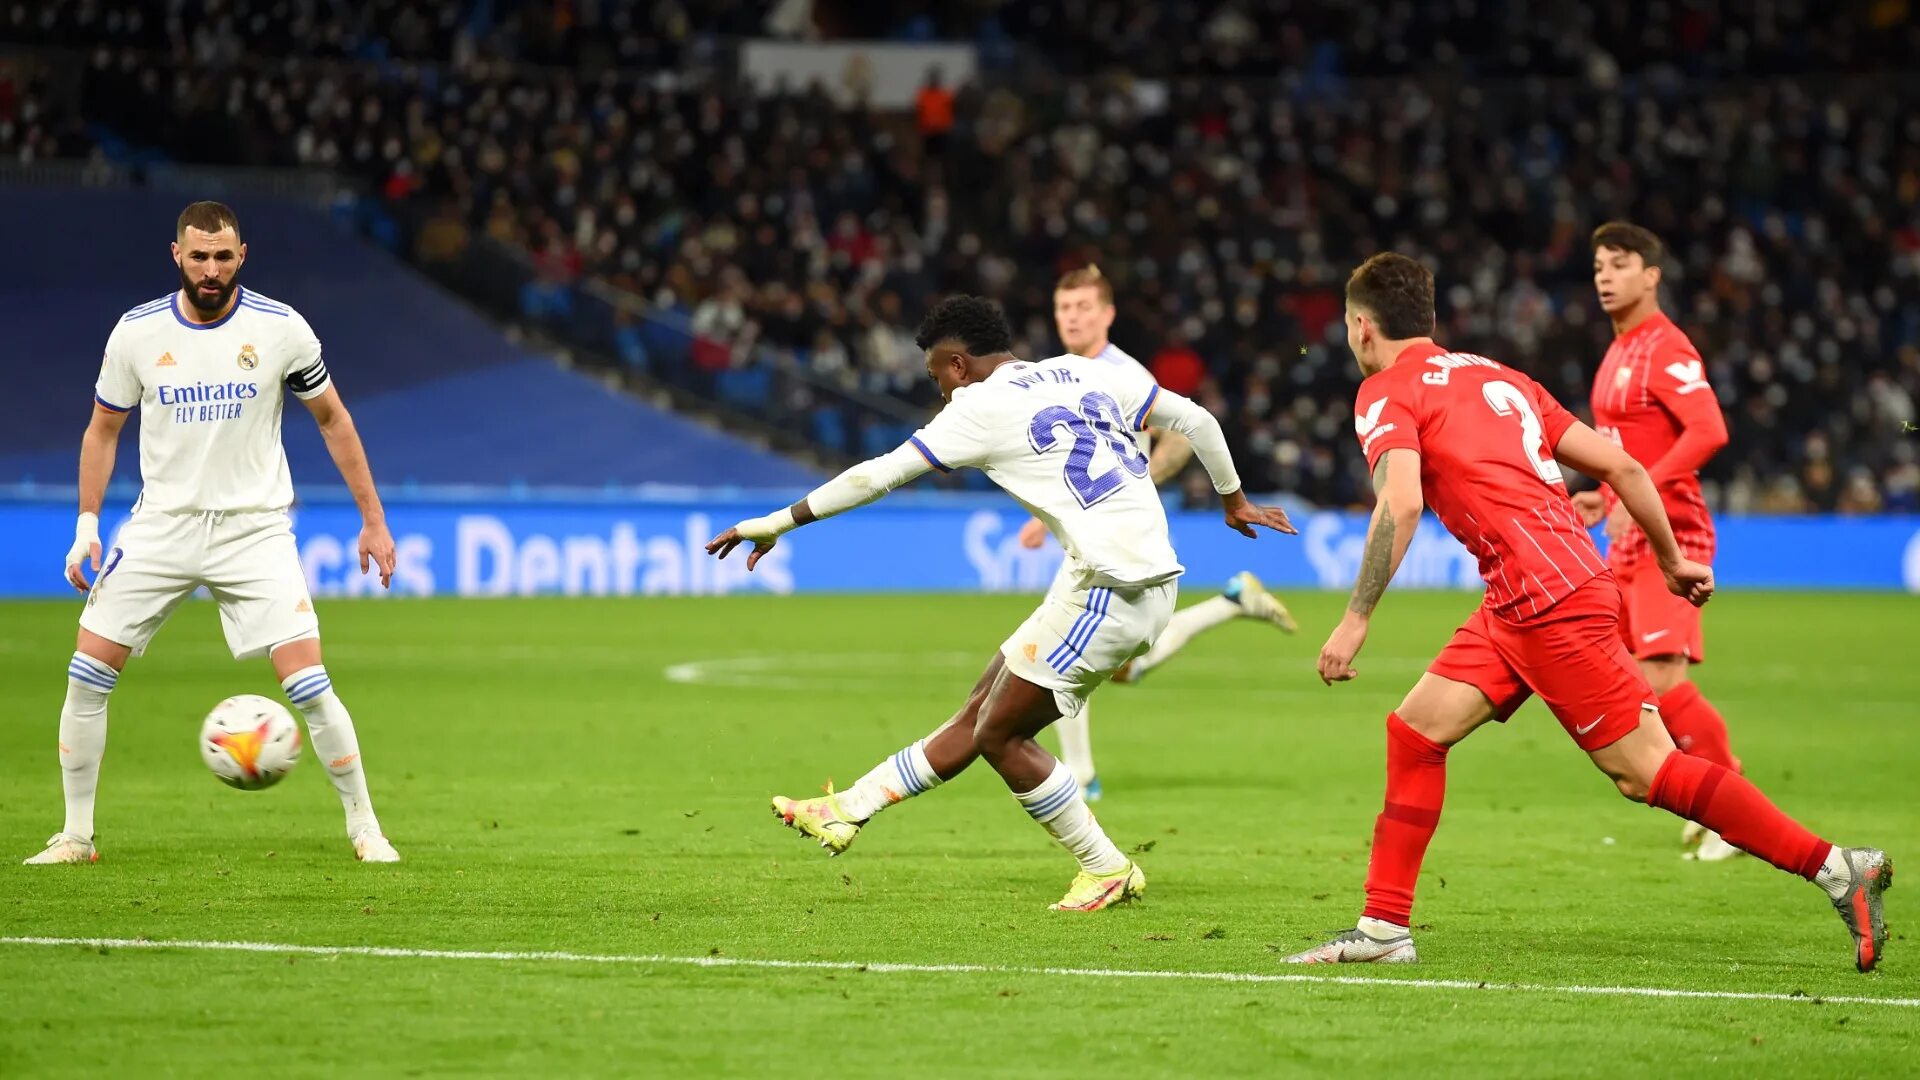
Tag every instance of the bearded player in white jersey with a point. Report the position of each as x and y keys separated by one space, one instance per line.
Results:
x=1060 y=437
x=1083 y=313
x=208 y=366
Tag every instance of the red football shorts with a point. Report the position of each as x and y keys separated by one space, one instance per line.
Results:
x=1658 y=623
x=1572 y=656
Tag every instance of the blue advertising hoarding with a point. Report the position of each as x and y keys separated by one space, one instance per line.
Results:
x=591 y=546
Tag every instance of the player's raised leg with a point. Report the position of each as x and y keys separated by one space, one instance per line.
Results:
x=836 y=818
x=1437 y=713
x=92 y=674
x=1244 y=598
x=335 y=742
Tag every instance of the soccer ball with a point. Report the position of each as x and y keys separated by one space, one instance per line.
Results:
x=250 y=742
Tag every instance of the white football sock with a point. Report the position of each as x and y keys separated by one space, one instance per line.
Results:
x=83 y=738
x=1381 y=929
x=1056 y=804
x=1076 y=745
x=1835 y=875
x=1185 y=624
x=900 y=777
x=330 y=730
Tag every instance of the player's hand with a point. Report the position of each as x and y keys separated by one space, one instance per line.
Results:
x=1591 y=505
x=1242 y=516
x=1618 y=523
x=1033 y=534
x=1691 y=580
x=721 y=546
x=376 y=547
x=85 y=550
x=1336 y=656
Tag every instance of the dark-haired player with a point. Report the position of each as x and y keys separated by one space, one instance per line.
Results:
x=1651 y=398
x=1482 y=445
x=209 y=366
x=1058 y=436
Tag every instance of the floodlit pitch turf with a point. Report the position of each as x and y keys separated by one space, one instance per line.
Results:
x=592 y=777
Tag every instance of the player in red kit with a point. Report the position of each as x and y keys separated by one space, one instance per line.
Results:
x=1651 y=397
x=1482 y=444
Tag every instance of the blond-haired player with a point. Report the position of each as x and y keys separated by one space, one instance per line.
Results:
x=209 y=365
x=1083 y=313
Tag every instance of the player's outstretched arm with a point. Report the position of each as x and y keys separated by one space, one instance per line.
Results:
x=1171 y=412
x=858 y=486
x=1398 y=502
x=350 y=457
x=98 y=447
x=1585 y=449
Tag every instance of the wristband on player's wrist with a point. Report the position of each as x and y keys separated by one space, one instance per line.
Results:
x=769 y=526
x=86 y=526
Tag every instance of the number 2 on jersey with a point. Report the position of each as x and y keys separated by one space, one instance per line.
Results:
x=1506 y=400
x=1098 y=421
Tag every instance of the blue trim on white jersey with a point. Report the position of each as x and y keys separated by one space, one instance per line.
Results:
x=268 y=302
x=240 y=297
x=110 y=406
x=928 y=454
x=151 y=307
x=1140 y=418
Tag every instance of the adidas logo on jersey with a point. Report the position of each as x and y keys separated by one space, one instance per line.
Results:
x=304 y=605
x=166 y=360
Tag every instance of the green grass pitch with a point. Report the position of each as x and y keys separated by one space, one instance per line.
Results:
x=591 y=776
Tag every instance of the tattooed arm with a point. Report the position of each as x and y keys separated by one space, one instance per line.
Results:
x=1396 y=513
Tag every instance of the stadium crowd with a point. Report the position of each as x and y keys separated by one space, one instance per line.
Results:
x=1225 y=211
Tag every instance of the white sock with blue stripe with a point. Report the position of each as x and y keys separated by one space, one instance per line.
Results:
x=83 y=738
x=1059 y=808
x=330 y=729
x=900 y=777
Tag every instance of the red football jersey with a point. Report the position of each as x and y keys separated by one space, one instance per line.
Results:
x=1650 y=388
x=1485 y=434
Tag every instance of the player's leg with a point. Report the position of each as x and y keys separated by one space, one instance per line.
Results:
x=1577 y=664
x=835 y=819
x=130 y=600
x=1076 y=732
x=1647 y=767
x=1437 y=713
x=253 y=571
x=1244 y=598
x=304 y=679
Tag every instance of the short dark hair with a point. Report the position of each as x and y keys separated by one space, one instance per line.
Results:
x=1397 y=292
x=974 y=321
x=209 y=217
x=1626 y=236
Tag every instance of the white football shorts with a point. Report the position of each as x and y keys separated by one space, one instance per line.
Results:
x=246 y=560
x=1080 y=635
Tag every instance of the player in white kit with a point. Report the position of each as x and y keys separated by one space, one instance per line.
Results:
x=208 y=366
x=1083 y=313
x=1060 y=437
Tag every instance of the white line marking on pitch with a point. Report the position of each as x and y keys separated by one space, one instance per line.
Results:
x=944 y=969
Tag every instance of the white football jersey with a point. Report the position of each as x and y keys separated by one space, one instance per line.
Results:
x=210 y=396
x=1060 y=436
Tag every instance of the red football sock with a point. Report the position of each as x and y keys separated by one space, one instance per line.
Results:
x=1416 y=785
x=1696 y=725
x=1730 y=805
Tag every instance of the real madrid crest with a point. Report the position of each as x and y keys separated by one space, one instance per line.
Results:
x=248 y=358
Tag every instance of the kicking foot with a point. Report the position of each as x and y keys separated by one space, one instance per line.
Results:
x=1257 y=603
x=1356 y=946
x=819 y=818
x=1692 y=833
x=1094 y=892
x=62 y=848
x=1860 y=906
x=370 y=846
x=1713 y=849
